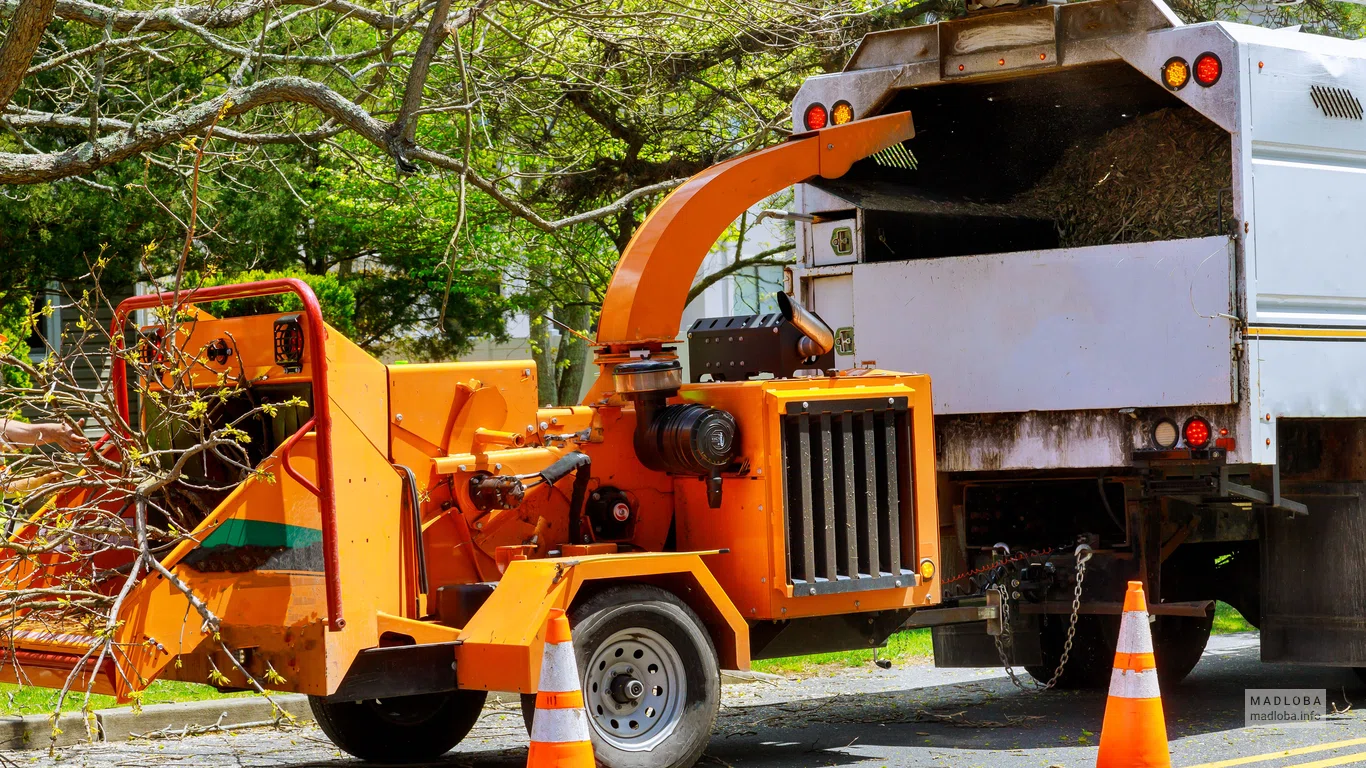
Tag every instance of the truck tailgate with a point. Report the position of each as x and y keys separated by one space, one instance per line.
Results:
x=1133 y=325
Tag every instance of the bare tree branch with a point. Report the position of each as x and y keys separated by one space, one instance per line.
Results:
x=761 y=259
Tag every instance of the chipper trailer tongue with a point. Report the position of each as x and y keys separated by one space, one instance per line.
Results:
x=397 y=552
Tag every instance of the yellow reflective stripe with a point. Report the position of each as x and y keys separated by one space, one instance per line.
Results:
x=1347 y=333
x=1230 y=763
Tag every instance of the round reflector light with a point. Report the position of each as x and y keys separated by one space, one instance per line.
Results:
x=1208 y=69
x=1165 y=434
x=841 y=113
x=1176 y=73
x=1197 y=432
x=926 y=570
x=816 y=117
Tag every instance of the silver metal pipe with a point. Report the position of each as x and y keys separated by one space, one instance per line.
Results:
x=819 y=338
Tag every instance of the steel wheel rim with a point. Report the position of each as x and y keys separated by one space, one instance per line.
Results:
x=635 y=725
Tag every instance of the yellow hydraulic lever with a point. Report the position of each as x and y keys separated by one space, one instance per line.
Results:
x=649 y=290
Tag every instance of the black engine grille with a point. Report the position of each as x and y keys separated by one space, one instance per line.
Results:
x=847 y=489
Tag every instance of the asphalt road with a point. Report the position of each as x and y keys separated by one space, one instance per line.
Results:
x=911 y=715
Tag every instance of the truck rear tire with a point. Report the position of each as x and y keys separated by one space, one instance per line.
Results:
x=402 y=729
x=1092 y=655
x=1178 y=644
x=637 y=632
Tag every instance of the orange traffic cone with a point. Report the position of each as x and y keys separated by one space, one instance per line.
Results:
x=559 y=731
x=1134 y=734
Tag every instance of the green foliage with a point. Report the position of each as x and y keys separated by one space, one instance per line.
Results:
x=15 y=326
x=32 y=700
x=337 y=300
x=1227 y=619
x=909 y=645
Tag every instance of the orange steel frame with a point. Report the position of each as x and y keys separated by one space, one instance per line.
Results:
x=452 y=421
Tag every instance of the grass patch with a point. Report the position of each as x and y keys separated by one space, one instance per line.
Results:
x=1227 y=619
x=903 y=646
x=915 y=644
x=32 y=700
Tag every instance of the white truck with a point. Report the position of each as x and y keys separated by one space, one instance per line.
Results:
x=1131 y=254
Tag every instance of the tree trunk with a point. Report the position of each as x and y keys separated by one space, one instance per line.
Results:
x=572 y=358
x=546 y=376
x=25 y=32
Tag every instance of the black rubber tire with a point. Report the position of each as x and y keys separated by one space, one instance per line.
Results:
x=1092 y=656
x=403 y=729
x=638 y=605
x=1178 y=644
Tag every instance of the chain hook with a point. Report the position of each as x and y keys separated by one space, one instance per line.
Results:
x=1083 y=553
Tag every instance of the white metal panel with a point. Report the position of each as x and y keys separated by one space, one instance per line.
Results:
x=1308 y=182
x=1140 y=325
x=833 y=299
x=1282 y=107
x=1307 y=377
x=836 y=242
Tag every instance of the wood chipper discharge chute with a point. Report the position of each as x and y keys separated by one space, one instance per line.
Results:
x=391 y=539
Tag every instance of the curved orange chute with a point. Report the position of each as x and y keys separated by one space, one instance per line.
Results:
x=649 y=290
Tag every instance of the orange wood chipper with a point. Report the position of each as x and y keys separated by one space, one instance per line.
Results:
x=418 y=522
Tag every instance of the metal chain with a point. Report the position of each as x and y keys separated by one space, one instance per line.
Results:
x=1083 y=554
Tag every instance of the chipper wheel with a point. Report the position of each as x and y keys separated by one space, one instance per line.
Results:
x=403 y=729
x=651 y=681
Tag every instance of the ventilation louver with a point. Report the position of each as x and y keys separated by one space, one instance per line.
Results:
x=1336 y=102
x=847 y=491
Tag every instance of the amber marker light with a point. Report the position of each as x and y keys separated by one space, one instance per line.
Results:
x=926 y=570
x=841 y=113
x=1176 y=73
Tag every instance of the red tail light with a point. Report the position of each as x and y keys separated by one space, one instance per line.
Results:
x=151 y=347
x=1208 y=69
x=816 y=117
x=289 y=343
x=1197 y=432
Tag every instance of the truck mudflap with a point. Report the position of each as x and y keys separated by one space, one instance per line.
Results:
x=500 y=648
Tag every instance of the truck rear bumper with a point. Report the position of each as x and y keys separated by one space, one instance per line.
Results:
x=987 y=442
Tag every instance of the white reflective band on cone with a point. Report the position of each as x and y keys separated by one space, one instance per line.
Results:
x=1134 y=635
x=557 y=726
x=559 y=670
x=1124 y=684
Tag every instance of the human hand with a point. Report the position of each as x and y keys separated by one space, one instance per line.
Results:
x=63 y=435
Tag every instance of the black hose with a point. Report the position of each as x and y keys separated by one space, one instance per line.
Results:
x=580 y=464
x=415 y=510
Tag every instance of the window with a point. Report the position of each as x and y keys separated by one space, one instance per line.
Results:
x=47 y=331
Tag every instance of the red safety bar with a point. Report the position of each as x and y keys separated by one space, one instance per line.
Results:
x=322 y=413
x=289 y=468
